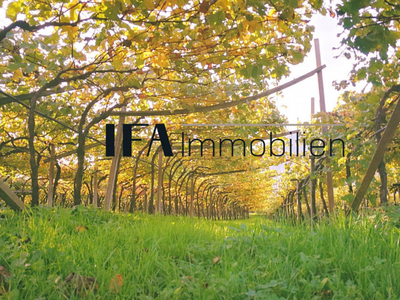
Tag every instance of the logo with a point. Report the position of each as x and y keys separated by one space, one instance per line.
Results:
x=257 y=147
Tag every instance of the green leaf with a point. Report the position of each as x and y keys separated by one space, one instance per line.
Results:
x=216 y=18
x=254 y=72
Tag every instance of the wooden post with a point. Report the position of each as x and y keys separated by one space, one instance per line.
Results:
x=313 y=209
x=10 y=197
x=114 y=163
x=312 y=107
x=50 y=193
x=322 y=106
x=298 y=202
x=306 y=200
x=95 y=195
x=329 y=179
x=378 y=156
x=159 y=182
x=312 y=189
x=192 y=194
x=145 y=204
x=398 y=189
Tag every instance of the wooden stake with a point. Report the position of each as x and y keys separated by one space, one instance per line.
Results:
x=312 y=107
x=378 y=156
x=159 y=182
x=95 y=195
x=398 y=189
x=10 y=197
x=145 y=203
x=329 y=179
x=313 y=209
x=191 y=194
x=312 y=190
x=114 y=164
x=50 y=193
x=298 y=202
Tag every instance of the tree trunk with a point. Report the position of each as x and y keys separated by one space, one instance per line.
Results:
x=321 y=192
x=32 y=152
x=306 y=200
x=348 y=172
x=57 y=178
x=80 y=151
x=383 y=189
x=133 y=197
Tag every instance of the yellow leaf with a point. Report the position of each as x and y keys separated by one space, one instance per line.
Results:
x=253 y=25
x=71 y=31
x=64 y=19
x=161 y=60
x=17 y=75
x=172 y=2
x=149 y=4
x=146 y=54
x=117 y=63
x=224 y=3
x=72 y=14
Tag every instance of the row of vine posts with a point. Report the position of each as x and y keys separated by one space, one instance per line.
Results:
x=287 y=208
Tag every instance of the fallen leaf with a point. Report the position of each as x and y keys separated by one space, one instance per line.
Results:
x=3 y=284
x=216 y=260
x=4 y=272
x=81 y=228
x=186 y=279
x=115 y=283
x=80 y=284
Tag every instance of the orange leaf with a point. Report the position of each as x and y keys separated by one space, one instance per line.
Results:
x=115 y=283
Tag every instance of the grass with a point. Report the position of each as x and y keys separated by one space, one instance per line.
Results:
x=147 y=257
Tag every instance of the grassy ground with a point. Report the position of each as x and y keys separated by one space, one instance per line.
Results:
x=146 y=257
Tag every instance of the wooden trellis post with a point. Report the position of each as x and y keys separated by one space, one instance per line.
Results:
x=313 y=209
x=10 y=197
x=159 y=182
x=378 y=156
x=145 y=202
x=192 y=194
x=298 y=202
x=398 y=190
x=114 y=164
x=95 y=196
x=329 y=179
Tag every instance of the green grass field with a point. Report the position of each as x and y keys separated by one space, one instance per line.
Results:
x=147 y=257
